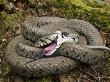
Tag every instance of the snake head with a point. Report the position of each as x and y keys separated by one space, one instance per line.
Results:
x=69 y=37
x=51 y=42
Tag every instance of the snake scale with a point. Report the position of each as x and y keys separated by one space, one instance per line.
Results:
x=67 y=57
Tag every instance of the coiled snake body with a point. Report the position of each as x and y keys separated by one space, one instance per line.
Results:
x=66 y=57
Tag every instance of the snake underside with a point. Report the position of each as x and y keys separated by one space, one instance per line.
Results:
x=22 y=49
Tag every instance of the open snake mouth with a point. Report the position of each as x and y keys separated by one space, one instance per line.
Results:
x=52 y=42
x=48 y=44
x=50 y=48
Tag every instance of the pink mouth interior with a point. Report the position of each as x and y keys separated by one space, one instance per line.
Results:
x=48 y=48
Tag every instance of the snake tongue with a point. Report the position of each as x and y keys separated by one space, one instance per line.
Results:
x=49 y=48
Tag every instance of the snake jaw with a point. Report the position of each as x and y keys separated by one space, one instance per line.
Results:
x=49 y=50
x=55 y=40
x=47 y=39
x=54 y=45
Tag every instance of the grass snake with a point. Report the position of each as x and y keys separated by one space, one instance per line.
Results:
x=66 y=57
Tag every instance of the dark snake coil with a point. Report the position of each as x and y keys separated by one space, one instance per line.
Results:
x=68 y=56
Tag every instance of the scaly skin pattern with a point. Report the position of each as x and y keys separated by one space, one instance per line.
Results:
x=36 y=51
x=32 y=24
x=83 y=54
x=82 y=27
x=41 y=67
x=66 y=57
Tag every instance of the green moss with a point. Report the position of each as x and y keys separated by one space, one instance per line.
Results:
x=96 y=12
x=10 y=21
x=1 y=34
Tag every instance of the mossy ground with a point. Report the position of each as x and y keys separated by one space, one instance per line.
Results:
x=96 y=12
